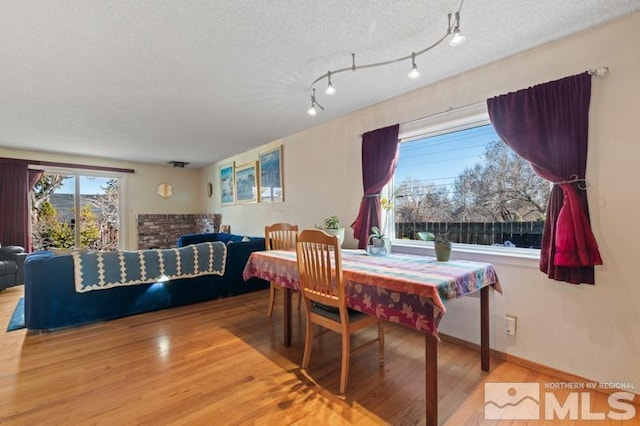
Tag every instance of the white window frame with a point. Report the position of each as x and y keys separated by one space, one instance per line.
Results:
x=77 y=173
x=468 y=117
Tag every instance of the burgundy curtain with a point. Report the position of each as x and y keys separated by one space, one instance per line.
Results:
x=379 y=160
x=548 y=125
x=14 y=202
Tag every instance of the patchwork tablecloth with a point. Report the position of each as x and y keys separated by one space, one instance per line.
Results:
x=401 y=288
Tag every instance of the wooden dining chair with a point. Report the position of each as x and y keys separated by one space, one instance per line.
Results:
x=320 y=268
x=279 y=236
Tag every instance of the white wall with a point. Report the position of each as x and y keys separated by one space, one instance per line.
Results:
x=140 y=189
x=591 y=331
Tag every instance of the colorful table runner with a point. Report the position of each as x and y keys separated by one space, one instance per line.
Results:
x=401 y=288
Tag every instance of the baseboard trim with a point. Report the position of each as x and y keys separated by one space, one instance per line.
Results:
x=540 y=368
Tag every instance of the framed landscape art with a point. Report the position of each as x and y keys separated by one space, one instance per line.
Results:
x=227 y=186
x=247 y=183
x=271 y=184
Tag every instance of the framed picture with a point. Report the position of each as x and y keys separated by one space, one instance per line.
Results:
x=227 y=187
x=247 y=183
x=271 y=184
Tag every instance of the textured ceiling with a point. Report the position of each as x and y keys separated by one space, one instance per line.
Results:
x=199 y=81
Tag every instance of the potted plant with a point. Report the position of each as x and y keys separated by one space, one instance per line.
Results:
x=331 y=225
x=379 y=243
x=377 y=238
x=442 y=247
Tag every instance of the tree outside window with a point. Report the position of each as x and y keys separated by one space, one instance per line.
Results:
x=58 y=208
x=470 y=187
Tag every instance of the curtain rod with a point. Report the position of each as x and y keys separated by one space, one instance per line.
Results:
x=65 y=165
x=82 y=166
x=594 y=72
x=446 y=111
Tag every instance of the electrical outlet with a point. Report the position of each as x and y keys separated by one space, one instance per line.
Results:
x=510 y=324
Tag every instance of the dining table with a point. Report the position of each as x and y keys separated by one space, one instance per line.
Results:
x=407 y=289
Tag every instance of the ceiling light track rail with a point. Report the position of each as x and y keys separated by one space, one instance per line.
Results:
x=453 y=29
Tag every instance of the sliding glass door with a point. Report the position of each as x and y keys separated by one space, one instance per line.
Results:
x=73 y=210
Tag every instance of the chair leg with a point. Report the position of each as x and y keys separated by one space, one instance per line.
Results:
x=299 y=299
x=308 y=341
x=272 y=299
x=344 y=370
x=380 y=344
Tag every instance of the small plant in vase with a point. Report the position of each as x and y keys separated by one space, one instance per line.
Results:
x=377 y=237
x=379 y=243
x=331 y=225
x=442 y=247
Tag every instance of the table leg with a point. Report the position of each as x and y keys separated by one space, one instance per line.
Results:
x=484 y=328
x=287 y=316
x=431 y=380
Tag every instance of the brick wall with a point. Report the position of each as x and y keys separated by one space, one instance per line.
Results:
x=162 y=230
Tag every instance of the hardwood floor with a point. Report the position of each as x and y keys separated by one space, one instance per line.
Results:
x=222 y=363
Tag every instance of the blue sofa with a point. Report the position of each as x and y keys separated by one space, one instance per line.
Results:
x=52 y=302
x=238 y=252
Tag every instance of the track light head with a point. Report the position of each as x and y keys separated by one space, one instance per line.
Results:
x=330 y=90
x=414 y=73
x=312 y=111
x=458 y=38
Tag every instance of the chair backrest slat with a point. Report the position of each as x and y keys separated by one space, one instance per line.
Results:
x=280 y=236
x=320 y=267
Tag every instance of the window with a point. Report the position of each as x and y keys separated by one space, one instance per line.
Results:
x=456 y=179
x=72 y=210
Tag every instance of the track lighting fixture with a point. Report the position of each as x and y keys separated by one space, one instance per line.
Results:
x=453 y=30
